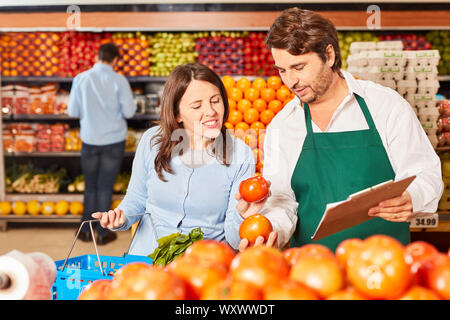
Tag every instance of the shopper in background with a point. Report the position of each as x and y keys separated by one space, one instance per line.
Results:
x=338 y=136
x=103 y=100
x=186 y=170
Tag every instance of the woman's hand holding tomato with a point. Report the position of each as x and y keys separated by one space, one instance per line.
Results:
x=253 y=194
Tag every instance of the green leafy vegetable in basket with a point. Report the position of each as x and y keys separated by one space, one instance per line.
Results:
x=173 y=246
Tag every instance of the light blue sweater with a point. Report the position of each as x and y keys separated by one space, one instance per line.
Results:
x=202 y=197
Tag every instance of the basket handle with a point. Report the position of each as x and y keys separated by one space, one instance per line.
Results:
x=93 y=239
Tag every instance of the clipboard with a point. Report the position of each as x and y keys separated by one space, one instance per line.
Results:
x=342 y=215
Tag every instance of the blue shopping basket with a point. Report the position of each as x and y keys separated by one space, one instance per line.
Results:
x=74 y=274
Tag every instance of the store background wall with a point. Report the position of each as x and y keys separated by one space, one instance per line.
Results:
x=39 y=58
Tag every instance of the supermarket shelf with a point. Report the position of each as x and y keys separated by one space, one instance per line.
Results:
x=209 y=20
x=69 y=218
x=39 y=117
x=52 y=154
x=64 y=117
x=4 y=220
x=69 y=79
x=11 y=197
x=444 y=78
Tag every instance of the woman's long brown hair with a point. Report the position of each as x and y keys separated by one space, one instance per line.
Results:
x=174 y=89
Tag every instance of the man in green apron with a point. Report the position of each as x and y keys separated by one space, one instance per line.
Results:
x=338 y=136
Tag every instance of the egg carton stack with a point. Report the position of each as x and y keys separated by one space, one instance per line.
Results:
x=413 y=74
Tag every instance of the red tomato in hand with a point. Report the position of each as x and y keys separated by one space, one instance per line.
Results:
x=254 y=189
x=254 y=226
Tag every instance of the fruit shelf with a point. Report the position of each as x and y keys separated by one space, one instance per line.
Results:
x=41 y=218
x=69 y=79
x=69 y=218
x=52 y=154
x=63 y=117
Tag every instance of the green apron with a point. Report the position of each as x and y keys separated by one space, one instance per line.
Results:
x=334 y=165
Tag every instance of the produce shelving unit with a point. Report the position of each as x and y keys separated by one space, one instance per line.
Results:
x=352 y=17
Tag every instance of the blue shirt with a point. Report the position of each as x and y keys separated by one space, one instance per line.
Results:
x=102 y=99
x=202 y=197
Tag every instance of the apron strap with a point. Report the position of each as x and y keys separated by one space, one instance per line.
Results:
x=362 y=105
x=365 y=110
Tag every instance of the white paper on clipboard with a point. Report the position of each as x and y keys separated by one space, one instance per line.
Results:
x=342 y=215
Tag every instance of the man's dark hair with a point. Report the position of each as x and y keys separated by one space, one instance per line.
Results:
x=108 y=52
x=302 y=31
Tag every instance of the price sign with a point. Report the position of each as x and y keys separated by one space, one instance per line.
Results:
x=429 y=221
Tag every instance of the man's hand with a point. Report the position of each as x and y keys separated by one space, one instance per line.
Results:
x=247 y=209
x=396 y=209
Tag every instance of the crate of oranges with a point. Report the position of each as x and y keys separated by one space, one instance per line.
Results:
x=253 y=105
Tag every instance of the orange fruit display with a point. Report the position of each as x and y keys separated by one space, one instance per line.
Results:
x=235 y=117
x=275 y=106
x=241 y=128
x=266 y=116
x=243 y=84
x=258 y=154
x=251 y=115
x=229 y=125
x=228 y=82
x=235 y=94
x=251 y=94
x=268 y=94
x=257 y=126
x=244 y=105
x=274 y=82
x=283 y=94
x=251 y=140
x=259 y=84
x=232 y=105
x=260 y=105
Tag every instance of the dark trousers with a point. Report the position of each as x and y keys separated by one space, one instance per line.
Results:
x=100 y=166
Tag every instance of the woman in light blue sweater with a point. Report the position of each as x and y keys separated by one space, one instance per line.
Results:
x=187 y=170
